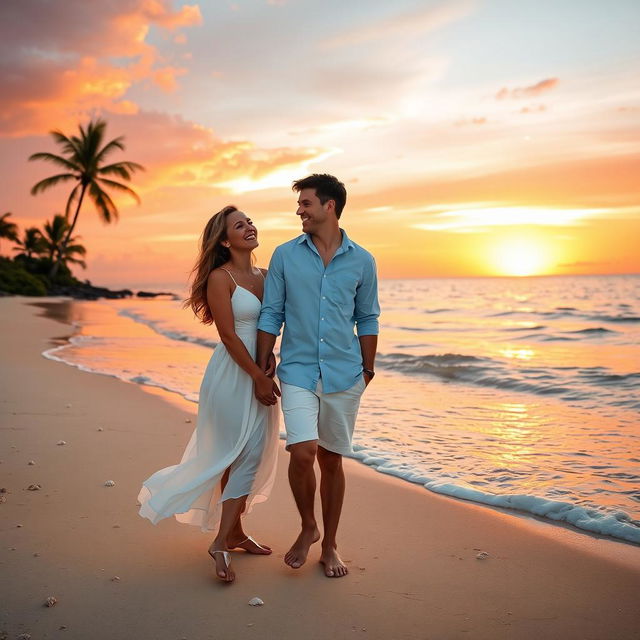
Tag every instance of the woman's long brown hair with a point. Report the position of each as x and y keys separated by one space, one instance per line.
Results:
x=212 y=254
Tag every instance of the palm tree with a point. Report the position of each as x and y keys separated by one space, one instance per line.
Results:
x=56 y=233
x=8 y=229
x=31 y=242
x=83 y=160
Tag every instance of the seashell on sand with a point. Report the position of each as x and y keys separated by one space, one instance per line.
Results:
x=31 y=463
x=100 y=429
x=188 y=420
x=483 y=555
x=109 y=483
x=61 y=443
x=19 y=526
x=34 y=487
x=115 y=579
x=50 y=601
x=68 y=405
x=256 y=602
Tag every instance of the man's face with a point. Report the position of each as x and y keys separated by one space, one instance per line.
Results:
x=313 y=214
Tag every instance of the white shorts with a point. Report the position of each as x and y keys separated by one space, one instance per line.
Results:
x=328 y=418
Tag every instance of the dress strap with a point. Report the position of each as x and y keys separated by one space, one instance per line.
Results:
x=229 y=272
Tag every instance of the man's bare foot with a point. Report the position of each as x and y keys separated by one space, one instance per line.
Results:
x=334 y=567
x=297 y=555
x=250 y=546
x=222 y=558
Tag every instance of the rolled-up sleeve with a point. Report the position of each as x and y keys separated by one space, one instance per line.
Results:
x=272 y=312
x=367 y=309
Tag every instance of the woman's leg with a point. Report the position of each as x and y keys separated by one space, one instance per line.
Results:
x=231 y=510
x=243 y=471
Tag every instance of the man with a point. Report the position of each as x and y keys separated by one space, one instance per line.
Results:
x=320 y=285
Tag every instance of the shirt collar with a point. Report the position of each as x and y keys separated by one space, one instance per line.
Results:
x=343 y=248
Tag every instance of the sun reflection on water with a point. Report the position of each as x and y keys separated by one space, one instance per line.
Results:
x=518 y=354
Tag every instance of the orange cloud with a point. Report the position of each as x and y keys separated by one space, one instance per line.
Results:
x=179 y=153
x=60 y=67
x=161 y=14
x=527 y=92
x=166 y=78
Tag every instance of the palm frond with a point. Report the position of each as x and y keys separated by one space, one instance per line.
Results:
x=120 y=187
x=103 y=203
x=47 y=183
x=8 y=229
x=116 y=143
x=64 y=141
x=82 y=263
x=76 y=248
x=123 y=169
x=72 y=197
x=53 y=158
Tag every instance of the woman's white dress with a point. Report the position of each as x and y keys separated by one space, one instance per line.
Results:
x=234 y=431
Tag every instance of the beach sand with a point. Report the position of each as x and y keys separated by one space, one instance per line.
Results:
x=412 y=555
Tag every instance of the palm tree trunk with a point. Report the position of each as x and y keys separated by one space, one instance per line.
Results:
x=65 y=242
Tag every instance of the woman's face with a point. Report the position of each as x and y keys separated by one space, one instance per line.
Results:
x=241 y=232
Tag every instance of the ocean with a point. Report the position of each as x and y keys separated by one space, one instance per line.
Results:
x=521 y=393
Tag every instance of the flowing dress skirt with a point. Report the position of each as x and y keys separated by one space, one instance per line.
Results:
x=234 y=431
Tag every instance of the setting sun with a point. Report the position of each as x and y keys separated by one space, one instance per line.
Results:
x=521 y=257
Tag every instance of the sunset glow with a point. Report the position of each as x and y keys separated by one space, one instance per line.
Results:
x=520 y=258
x=461 y=157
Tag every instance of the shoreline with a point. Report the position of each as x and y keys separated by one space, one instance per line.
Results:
x=412 y=553
x=66 y=311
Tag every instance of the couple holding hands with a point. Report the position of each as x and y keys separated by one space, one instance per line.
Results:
x=320 y=285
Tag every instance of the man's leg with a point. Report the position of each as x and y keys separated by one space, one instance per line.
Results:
x=303 y=485
x=336 y=421
x=332 y=485
x=300 y=410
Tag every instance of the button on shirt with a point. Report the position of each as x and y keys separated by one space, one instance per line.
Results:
x=319 y=308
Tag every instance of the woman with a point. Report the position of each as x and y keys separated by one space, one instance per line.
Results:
x=229 y=463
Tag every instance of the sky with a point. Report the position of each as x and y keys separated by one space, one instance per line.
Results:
x=475 y=137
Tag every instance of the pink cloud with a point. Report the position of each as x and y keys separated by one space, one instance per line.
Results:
x=534 y=109
x=475 y=121
x=527 y=92
x=406 y=24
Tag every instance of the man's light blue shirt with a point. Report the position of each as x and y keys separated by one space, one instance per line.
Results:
x=319 y=308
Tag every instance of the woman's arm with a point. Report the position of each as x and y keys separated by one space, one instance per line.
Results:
x=219 y=300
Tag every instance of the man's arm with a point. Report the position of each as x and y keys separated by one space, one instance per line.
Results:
x=366 y=314
x=264 y=348
x=272 y=312
x=368 y=347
